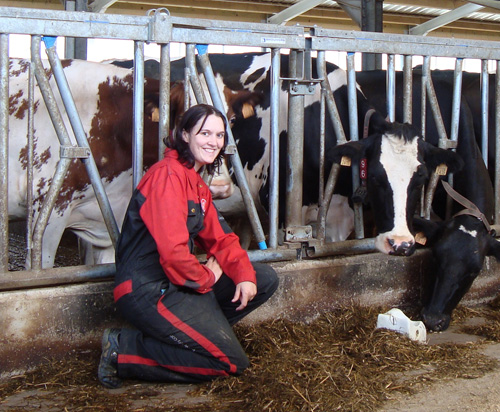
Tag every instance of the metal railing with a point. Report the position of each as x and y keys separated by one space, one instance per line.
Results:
x=161 y=28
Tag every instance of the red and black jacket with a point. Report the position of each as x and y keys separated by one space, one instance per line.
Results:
x=170 y=211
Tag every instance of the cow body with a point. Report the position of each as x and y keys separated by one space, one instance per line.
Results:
x=103 y=96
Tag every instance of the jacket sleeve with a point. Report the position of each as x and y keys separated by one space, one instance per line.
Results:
x=165 y=215
x=218 y=240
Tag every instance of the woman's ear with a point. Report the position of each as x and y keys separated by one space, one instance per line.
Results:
x=185 y=136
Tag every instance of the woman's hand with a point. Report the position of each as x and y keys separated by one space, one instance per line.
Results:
x=214 y=266
x=245 y=292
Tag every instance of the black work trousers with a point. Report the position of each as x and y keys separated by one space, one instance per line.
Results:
x=184 y=336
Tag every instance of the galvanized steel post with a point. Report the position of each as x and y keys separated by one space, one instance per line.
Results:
x=138 y=114
x=274 y=154
x=4 y=153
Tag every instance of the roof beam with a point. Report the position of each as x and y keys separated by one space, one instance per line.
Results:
x=293 y=11
x=440 y=21
x=100 y=6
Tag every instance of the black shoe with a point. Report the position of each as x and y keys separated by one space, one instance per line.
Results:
x=107 y=372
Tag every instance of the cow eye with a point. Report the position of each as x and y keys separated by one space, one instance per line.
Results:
x=232 y=119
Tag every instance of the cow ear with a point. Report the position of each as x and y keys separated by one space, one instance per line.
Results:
x=493 y=247
x=242 y=103
x=352 y=150
x=434 y=156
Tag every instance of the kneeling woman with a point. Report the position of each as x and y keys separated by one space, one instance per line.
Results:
x=183 y=310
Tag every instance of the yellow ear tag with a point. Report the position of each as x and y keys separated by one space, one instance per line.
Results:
x=441 y=170
x=345 y=161
x=155 y=115
x=420 y=238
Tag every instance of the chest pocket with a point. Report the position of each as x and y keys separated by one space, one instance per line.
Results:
x=195 y=219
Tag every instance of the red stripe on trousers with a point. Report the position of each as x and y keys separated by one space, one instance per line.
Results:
x=196 y=336
x=182 y=369
x=122 y=289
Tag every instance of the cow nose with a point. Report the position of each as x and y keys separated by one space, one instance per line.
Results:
x=404 y=248
x=435 y=322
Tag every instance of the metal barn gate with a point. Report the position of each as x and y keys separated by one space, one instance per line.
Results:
x=41 y=285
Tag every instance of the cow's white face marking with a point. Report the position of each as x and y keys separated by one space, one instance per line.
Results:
x=400 y=161
x=472 y=233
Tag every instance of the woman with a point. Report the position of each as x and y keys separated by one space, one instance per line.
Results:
x=183 y=310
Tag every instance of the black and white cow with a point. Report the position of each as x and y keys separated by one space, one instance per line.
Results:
x=460 y=244
x=410 y=156
x=459 y=247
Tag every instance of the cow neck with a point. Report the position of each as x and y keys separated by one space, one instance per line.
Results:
x=470 y=208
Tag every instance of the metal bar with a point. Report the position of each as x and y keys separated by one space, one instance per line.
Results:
x=274 y=149
x=81 y=138
x=4 y=152
x=330 y=101
x=372 y=42
x=444 y=19
x=31 y=149
x=138 y=114
x=164 y=126
x=353 y=127
x=62 y=165
x=194 y=78
x=391 y=88
x=484 y=110
x=497 y=146
x=436 y=111
x=325 y=202
x=455 y=120
x=55 y=276
x=238 y=167
x=295 y=155
x=407 y=90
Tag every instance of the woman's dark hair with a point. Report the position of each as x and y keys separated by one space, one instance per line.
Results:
x=186 y=123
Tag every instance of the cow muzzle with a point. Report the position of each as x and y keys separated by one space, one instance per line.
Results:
x=435 y=322
x=395 y=245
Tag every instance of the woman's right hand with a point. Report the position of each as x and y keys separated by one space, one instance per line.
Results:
x=214 y=266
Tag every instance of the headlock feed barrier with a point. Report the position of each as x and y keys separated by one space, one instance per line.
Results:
x=301 y=43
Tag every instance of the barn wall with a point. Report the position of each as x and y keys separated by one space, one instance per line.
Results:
x=50 y=322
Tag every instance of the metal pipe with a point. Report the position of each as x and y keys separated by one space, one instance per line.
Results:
x=354 y=246
x=194 y=78
x=330 y=101
x=274 y=149
x=164 y=125
x=4 y=152
x=497 y=144
x=484 y=110
x=138 y=114
x=238 y=167
x=55 y=276
x=81 y=138
x=31 y=150
x=391 y=88
x=436 y=111
x=327 y=198
x=295 y=155
x=353 y=127
x=408 y=90
x=455 y=120
x=63 y=164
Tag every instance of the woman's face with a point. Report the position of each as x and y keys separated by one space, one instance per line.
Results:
x=205 y=143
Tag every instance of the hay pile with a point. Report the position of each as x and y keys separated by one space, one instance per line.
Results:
x=339 y=362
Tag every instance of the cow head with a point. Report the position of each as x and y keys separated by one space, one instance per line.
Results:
x=399 y=163
x=459 y=247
